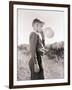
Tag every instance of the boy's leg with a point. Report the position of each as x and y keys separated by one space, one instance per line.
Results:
x=39 y=61
x=31 y=66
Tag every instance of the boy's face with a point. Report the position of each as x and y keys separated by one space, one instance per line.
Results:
x=35 y=26
x=38 y=27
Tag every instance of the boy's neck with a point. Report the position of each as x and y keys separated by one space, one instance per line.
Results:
x=37 y=31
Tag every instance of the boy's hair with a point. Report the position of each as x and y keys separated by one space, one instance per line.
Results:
x=36 y=20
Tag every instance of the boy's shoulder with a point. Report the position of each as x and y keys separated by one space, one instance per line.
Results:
x=33 y=34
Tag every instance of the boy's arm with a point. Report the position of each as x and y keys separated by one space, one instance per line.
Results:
x=33 y=43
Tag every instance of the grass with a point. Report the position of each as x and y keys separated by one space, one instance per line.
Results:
x=52 y=68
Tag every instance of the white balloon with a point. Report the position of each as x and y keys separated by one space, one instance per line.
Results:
x=49 y=33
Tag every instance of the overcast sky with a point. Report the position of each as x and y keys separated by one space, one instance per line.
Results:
x=53 y=19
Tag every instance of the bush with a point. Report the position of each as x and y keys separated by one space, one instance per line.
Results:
x=55 y=50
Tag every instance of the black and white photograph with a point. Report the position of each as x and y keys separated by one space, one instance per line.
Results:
x=40 y=44
x=40 y=41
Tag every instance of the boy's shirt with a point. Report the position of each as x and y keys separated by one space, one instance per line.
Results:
x=39 y=34
x=36 y=42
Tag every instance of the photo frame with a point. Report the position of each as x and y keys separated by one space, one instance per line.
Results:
x=56 y=63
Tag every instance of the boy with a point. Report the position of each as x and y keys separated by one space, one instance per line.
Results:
x=37 y=43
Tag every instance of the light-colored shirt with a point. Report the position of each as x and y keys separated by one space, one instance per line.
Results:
x=39 y=34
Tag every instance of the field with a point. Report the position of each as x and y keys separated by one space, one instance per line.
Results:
x=53 y=67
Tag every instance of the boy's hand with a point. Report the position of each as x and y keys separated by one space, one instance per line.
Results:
x=43 y=51
x=36 y=68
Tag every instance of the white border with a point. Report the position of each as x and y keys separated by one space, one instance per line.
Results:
x=15 y=47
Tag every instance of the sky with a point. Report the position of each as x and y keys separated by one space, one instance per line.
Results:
x=52 y=19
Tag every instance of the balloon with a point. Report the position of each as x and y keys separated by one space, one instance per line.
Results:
x=49 y=33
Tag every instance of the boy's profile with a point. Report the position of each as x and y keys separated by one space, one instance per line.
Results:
x=37 y=43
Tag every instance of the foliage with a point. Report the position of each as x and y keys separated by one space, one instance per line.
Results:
x=55 y=50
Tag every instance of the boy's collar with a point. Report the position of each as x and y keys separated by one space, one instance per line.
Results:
x=36 y=32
